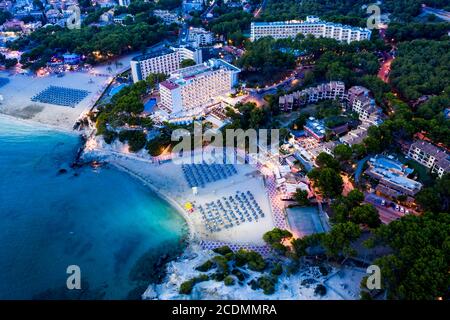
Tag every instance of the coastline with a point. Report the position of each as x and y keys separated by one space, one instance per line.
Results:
x=182 y=267
x=176 y=206
x=41 y=125
x=168 y=180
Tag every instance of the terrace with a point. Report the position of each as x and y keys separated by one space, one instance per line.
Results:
x=231 y=211
x=61 y=96
x=198 y=175
x=393 y=174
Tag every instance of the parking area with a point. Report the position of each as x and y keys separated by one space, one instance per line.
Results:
x=388 y=210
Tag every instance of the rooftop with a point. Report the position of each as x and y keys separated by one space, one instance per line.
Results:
x=181 y=76
x=392 y=171
x=311 y=22
x=390 y=163
x=153 y=54
x=396 y=179
x=428 y=148
x=315 y=126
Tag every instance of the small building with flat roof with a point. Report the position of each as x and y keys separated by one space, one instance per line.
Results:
x=392 y=176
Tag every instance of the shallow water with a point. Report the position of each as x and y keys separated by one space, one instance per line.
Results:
x=102 y=220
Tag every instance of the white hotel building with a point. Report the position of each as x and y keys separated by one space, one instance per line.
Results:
x=430 y=156
x=199 y=37
x=166 y=60
x=312 y=25
x=198 y=86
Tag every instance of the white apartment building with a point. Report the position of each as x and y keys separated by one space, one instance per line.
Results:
x=166 y=16
x=198 y=86
x=325 y=91
x=199 y=37
x=124 y=3
x=358 y=100
x=192 y=5
x=165 y=60
x=364 y=107
x=430 y=156
x=312 y=25
x=329 y=91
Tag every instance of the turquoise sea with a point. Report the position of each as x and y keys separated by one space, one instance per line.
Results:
x=115 y=229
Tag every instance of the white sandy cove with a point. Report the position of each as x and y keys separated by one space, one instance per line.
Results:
x=17 y=94
x=168 y=180
x=340 y=283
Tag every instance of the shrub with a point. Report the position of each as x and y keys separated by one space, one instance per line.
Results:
x=109 y=136
x=320 y=290
x=228 y=281
x=253 y=284
x=223 y=250
x=323 y=270
x=187 y=286
x=205 y=266
x=229 y=256
x=218 y=276
x=280 y=248
x=256 y=262
x=239 y=274
x=293 y=267
x=136 y=139
x=240 y=258
x=277 y=269
x=267 y=285
x=276 y=235
x=253 y=260
x=221 y=263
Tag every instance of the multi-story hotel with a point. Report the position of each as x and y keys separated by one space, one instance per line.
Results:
x=199 y=37
x=124 y=3
x=359 y=101
x=166 y=61
x=198 y=86
x=312 y=25
x=167 y=17
x=430 y=156
x=331 y=90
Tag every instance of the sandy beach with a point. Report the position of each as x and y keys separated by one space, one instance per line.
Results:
x=167 y=179
x=20 y=88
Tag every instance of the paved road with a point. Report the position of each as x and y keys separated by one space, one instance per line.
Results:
x=385 y=69
x=208 y=10
x=297 y=74
x=260 y=9
x=359 y=168
x=445 y=15
x=387 y=213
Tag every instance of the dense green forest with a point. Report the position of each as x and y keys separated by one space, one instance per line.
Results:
x=341 y=11
x=96 y=43
x=407 y=10
x=409 y=31
x=417 y=269
x=421 y=67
